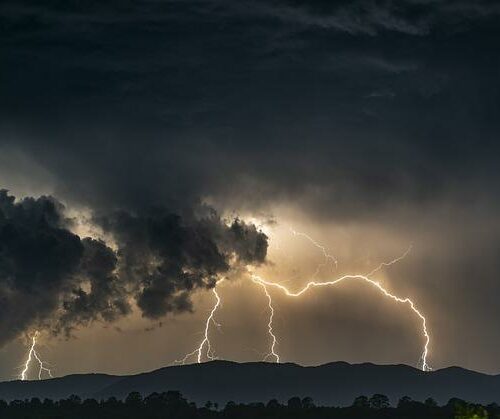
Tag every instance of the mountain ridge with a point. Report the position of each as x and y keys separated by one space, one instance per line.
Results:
x=333 y=383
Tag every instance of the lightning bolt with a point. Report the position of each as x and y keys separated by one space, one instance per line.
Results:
x=32 y=353
x=274 y=340
x=312 y=284
x=206 y=339
x=376 y=284
x=366 y=278
x=392 y=262
x=264 y=284
x=328 y=256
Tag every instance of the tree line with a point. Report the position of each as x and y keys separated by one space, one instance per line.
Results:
x=172 y=405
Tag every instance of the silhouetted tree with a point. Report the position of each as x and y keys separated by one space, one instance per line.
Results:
x=379 y=401
x=90 y=404
x=469 y=411
x=48 y=403
x=153 y=400
x=35 y=403
x=430 y=402
x=171 y=405
x=134 y=399
x=361 y=402
x=230 y=405
x=74 y=400
x=455 y=403
x=273 y=404
x=174 y=398
x=494 y=410
x=16 y=403
x=295 y=403
x=111 y=403
x=307 y=403
x=405 y=402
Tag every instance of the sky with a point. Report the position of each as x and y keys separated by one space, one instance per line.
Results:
x=150 y=148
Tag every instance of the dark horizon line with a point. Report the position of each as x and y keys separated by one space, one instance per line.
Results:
x=224 y=361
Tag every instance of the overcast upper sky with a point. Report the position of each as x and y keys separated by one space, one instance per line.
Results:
x=148 y=126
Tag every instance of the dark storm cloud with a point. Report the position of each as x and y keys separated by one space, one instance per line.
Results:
x=51 y=277
x=106 y=297
x=38 y=258
x=166 y=257
x=369 y=112
x=412 y=17
x=243 y=102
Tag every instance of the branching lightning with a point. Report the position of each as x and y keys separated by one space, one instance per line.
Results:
x=392 y=262
x=376 y=284
x=274 y=341
x=328 y=256
x=366 y=278
x=206 y=339
x=264 y=284
x=32 y=353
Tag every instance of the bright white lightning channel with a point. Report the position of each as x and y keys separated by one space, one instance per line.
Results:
x=270 y=331
x=32 y=354
x=366 y=278
x=376 y=284
x=209 y=353
x=312 y=284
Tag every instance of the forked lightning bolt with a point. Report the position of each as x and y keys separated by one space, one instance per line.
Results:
x=328 y=257
x=274 y=341
x=33 y=354
x=392 y=262
x=312 y=284
x=376 y=284
x=206 y=339
x=258 y=280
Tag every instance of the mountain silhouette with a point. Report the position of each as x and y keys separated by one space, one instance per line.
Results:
x=336 y=383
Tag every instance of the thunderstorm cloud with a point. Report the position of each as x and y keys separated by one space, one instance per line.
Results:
x=374 y=123
x=52 y=277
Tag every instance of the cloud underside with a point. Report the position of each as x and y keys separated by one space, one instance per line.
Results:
x=368 y=115
x=51 y=277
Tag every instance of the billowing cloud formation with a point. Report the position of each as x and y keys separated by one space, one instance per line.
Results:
x=363 y=114
x=38 y=261
x=362 y=103
x=52 y=277
x=106 y=296
x=166 y=258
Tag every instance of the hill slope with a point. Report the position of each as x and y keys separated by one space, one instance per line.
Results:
x=220 y=381
x=84 y=385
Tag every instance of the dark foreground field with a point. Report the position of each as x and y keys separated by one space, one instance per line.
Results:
x=173 y=405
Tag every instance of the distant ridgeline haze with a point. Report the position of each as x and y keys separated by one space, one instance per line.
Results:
x=221 y=382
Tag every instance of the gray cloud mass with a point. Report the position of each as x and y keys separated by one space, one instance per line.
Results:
x=372 y=115
x=50 y=277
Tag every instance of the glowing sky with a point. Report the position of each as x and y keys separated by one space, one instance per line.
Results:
x=369 y=127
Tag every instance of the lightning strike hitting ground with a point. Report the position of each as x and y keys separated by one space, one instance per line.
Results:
x=327 y=257
x=312 y=284
x=206 y=339
x=376 y=284
x=274 y=341
x=33 y=354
